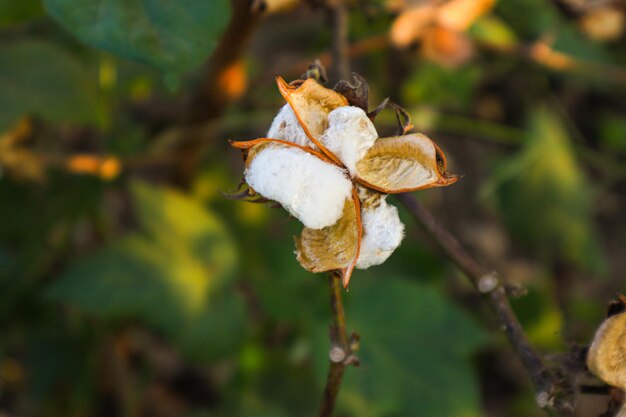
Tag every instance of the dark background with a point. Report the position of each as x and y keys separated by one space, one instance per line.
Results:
x=129 y=286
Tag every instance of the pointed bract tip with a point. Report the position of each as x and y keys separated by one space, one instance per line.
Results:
x=346 y=274
x=240 y=145
x=450 y=179
x=283 y=86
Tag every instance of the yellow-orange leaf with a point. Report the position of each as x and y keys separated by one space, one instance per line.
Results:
x=411 y=25
x=447 y=47
x=107 y=167
x=604 y=23
x=460 y=14
x=403 y=163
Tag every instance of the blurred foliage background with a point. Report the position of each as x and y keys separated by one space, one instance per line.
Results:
x=129 y=286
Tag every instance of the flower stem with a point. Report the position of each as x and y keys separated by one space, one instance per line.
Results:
x=340 y=350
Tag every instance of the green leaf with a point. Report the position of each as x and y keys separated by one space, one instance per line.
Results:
x=545 y=197
x=541 y=317
x=611 y=132
x=170 y=219
x=443 y=87
x=12 y=11
x=493 y=31
x=174 y=276
x=414 y=352
x=174 y=36
x=43 y=79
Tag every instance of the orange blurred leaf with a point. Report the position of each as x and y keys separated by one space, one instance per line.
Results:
x=460 y=14
x=603 y=24
x=412 y=25
x=447 y=47
x=107 y=168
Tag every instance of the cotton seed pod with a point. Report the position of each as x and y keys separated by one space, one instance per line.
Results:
x=349 y=136
x=311 y=103
x=606 y=358
x=334 y=247
x=403 y=163
x=309 y=176
x=382 y=229
x=312 y=190
x=286 y=127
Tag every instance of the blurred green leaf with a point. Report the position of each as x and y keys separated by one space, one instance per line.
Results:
x=43 y=79
x=175 y=275
x=541 y=15
x=541 y=317
x=493 y=31
x=571 y=41
x=612 y=128
x=172 y=36
x=12 y=11
x=285 y=289
x=414 y=353
x=545 y=197
x=435 y=85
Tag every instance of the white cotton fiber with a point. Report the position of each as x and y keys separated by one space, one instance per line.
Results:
x=382 y=233
x=286 y=127
x=311 y=190
x=349 y=135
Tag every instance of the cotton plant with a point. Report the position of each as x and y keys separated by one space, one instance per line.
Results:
x=322 y=160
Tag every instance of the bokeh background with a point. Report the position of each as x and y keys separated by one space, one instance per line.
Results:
x=130 y=286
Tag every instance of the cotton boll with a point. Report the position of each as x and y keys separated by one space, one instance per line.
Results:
x=311 y=190
x=286 y=127
x=349 y=135
x=382 y=233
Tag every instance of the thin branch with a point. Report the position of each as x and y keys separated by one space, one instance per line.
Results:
x=551 y=394
x=213 y=93
x=223 y=81
x=340 y=350
x=338 y=15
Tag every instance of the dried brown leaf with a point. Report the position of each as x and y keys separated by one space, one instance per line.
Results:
x=403 y=163
x=355 y=91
